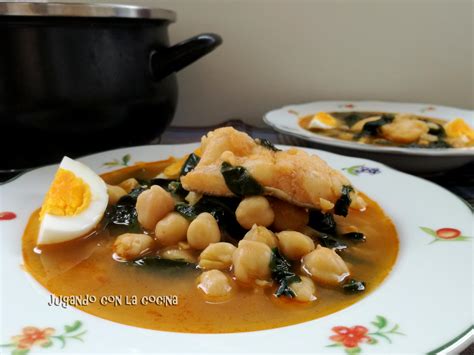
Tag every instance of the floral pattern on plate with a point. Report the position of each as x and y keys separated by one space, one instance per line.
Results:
x=7 y=216
x=350 y=338
x=32 y=336
x=356 y=170
x=445 y=235
x=427 y=109
x=117 y=163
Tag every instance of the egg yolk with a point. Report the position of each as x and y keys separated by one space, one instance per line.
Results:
x=458 y=128
x=325 y=118
x=68 y=195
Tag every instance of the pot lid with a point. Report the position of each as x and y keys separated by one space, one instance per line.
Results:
x=64 y=9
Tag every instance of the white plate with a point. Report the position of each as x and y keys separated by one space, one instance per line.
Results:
x=416 y=160
x=428 y=295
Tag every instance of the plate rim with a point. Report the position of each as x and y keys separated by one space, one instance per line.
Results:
x=445 y=346
x=316 y=138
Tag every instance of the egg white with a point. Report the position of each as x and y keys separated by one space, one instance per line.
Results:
x=58 y=229
x=315 y=123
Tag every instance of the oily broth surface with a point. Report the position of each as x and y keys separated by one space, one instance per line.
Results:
x=86 y=267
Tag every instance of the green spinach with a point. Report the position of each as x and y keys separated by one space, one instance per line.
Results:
x=341 y=207
x=438 y=131
x=166 y=267
x=239 y=180
x=162 y=182
x=372 y=128
x=354 y=286
x=131 y=197
x=331 y=242
x=282 y=274
x=356 y=236
x=352 y=118
x=221 y=208
x=189 y=164
x=176 y=188
x=322 y=222
x=122 y=216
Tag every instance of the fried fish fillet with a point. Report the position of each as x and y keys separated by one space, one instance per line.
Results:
x=293 y=175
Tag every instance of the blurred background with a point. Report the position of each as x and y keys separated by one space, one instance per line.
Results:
x=279 y=52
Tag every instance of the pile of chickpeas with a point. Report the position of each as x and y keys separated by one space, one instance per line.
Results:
x=270 y=223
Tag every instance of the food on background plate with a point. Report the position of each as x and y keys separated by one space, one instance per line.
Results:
x=399 y=129
x=245 y=235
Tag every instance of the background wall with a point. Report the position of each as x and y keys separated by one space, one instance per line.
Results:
x=278 y=52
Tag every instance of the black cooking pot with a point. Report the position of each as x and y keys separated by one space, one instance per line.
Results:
x=80 y=78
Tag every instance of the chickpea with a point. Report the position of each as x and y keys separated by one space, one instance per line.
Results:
x=294 y=245
x=153 y=205
x=215 y=285
x=131 y=246
x=305 y=291
x=203 y=231
x=325 y=266
x=129 y=184
x=254 y=210
x=115 y=193
x=251 y=261
x=217 y=256
x=325 y=204
x=288 y=216
x=262 y=235
x=172 y=229
x=178 y=254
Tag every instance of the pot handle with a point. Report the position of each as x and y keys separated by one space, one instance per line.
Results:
x=166 y=61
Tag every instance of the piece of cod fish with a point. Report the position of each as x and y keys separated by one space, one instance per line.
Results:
x=292 y=175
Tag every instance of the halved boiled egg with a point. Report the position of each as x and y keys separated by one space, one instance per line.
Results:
x=74 y=204
x=323 y=120
x=458 y=128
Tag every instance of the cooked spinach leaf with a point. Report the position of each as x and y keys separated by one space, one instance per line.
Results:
x=357 y=236
x=372 y=128
x=165 y=267
x=122 y=216
x=162 y=182
x=176 y=188
x=267 y=144
x=322 y=222
x=131 y=197
x=353 y=286
x=438 y=131
x=173 y=186
x=160 y=262
x=239 y=180
x=352 y=118
x=189 y=164
x=341 y=207
x=187 y=211
x=332 y=242
x=221 y=208
x=282 y=274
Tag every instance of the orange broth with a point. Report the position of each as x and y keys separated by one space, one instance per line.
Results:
x=85 y=267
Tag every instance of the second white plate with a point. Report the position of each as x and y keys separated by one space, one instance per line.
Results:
x=415 y=160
